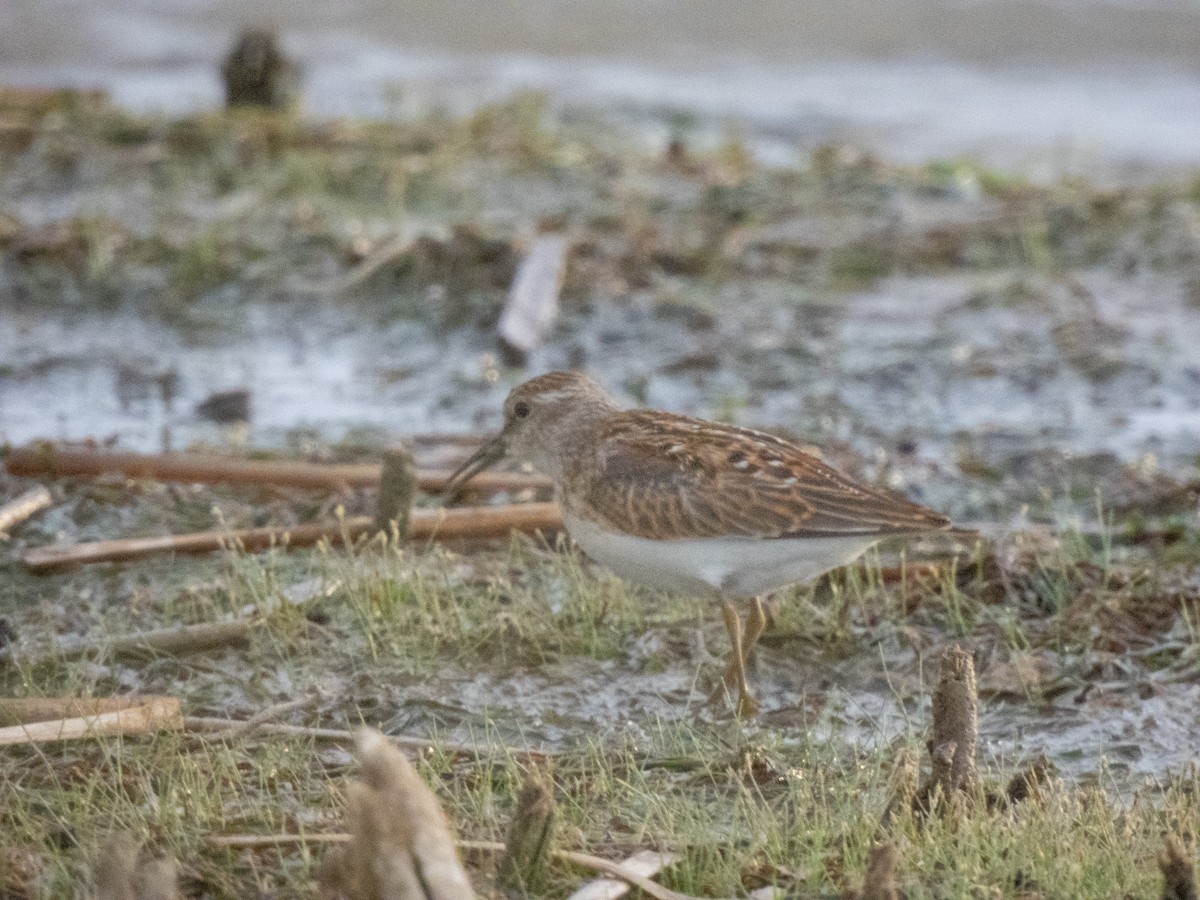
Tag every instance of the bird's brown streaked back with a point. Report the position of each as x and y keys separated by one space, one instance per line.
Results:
x=663 y=476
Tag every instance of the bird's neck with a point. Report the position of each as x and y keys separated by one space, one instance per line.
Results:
x=568 y=436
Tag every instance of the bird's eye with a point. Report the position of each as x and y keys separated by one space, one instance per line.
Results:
x=521 y=409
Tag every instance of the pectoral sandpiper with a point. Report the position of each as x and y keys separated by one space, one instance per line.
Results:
x=693 y=506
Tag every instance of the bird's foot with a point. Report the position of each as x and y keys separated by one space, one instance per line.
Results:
x=728 y=692
x=747 y=706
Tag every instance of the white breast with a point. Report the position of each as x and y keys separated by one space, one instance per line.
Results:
x=731 y=566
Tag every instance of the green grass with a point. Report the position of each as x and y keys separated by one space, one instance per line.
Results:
x=214 y=202
x=741 y=814
x=743 y=805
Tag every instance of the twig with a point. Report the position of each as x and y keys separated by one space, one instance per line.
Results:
x=391 y=251
x=263 y=717
x=624 y=870
x=54 y=461
x=159 y=642
x=1094 y=534
x=644 y=864
x=448 y=438
x=209 y=725
x=433 y=481
x=599 y=864
x=299 y=594
x=258 y=841
x=183 y=639
x=479 y=523
x=23 y=507
x=252 y=540
x=156 y=714
x=23 y=710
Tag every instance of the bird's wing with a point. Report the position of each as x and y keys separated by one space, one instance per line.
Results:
x=663 y=476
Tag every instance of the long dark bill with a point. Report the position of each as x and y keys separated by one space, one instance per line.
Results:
x=486 y=456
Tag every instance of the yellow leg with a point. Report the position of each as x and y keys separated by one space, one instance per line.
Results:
x=751 y=631
x=756 y=624
x=733 y=625
x=746 y=706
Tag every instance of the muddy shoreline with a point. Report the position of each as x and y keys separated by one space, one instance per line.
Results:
x=1017 y=354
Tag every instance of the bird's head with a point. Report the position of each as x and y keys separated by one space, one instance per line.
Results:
x=541 y=416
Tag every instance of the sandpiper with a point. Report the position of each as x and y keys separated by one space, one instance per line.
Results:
x=693 y=506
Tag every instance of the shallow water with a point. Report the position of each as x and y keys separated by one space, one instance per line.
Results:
x=855 y=700
x=931 y=361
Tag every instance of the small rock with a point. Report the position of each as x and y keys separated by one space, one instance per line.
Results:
x=226 y=407
x=256 y=73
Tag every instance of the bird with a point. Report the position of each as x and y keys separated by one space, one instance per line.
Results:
x=692 y=506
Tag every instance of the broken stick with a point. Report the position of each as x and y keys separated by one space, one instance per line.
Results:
x=636 y=871
x=644 y=864
x=177 y=640
x=158 y=642
x=465 y=524
x=393 y=249
x=53 y=461
x=532 y=302
x=219 y=728
x=23 y=507
x=23 y=710
x=155 y=714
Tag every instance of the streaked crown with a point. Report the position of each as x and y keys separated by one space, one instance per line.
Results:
x=547 y=417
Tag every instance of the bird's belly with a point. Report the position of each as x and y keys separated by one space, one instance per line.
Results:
x=731 y=566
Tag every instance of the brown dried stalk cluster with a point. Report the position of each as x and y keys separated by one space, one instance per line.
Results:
x=401 y=846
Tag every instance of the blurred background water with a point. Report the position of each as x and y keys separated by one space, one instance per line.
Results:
x=1099 y=87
